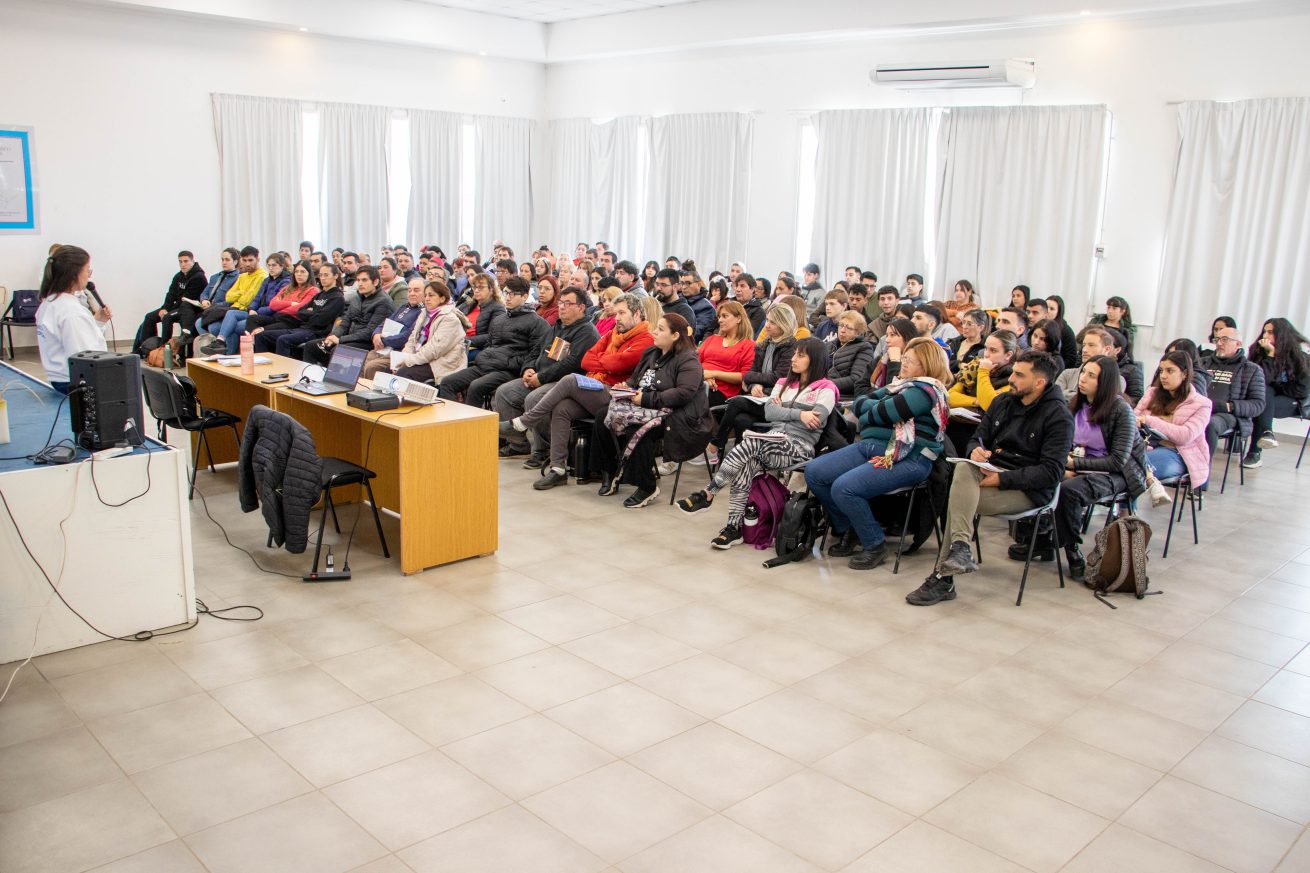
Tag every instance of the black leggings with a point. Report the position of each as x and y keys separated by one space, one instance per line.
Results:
x=741 y=415
x=607 y=449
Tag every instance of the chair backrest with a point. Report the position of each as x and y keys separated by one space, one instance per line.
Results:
x=165 y=397
x=22 y=309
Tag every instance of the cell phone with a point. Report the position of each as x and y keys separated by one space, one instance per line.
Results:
x=276 y=377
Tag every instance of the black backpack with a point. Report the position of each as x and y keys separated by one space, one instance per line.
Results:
x=24 y=306
x=803 y=522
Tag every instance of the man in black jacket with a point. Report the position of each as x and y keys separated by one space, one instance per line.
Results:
x=516 y=339
x=743 y=288
x=707 y=320
x=555 y=362
x=666 y=292
x=362 y=317
x=188 y=282
x=1237 y=387
x=288 y=335
x=1028 y=433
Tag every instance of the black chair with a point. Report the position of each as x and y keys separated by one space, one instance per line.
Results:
x=21 y=312
x=925 y=488
x=1036 y=514
x=172 y=400
x=1111 y=503
x=1182 y=489
x=677 y=476
x=338 y=473
x=1234 y=440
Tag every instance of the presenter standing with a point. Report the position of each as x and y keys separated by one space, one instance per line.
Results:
x=63 y=325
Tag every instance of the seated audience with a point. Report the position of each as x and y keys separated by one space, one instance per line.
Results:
x=811 y=290
x=1036 y=311
x=277 y=281
x=1237 y=389
x=401 y=323
x=485 y=313
x=571 y=337
x=669 y=403
x=796 y=412
x=963 y=301
x=548 y=298
x=1044 y=335
x=914 y=289
x=743 y=289
x=901 y=435
x=666 y=287
x=628 y=278
x=1096 y=342
x=1069 y=348
x=693 y=291
x=1118 y=316
x=975 y=325
x=932 y=324
x=1280 y=353
x=887 y=355
x=242 y=292
x=852 y=356
x=834 y=304
x=727 y=356
x=1220 y=322
x=981 y=380
x=1028 y=432
x=772 y=362
x=1015 y=320
x=1130 y=370
x=610 y=361
x=188 y=282
x=392 y=284
x=362 y=316
x=290 y=331
x=216 y=289
x=605 y=312
x=1019 y=296
x=1175 y=416
x=515 y=340
x=1200 y=375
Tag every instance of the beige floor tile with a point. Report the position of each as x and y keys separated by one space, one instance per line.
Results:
x=1154 y=689
x=819 y=818
x=1270 y=729
x=977 y=633
x=562 y=618
x=52 y=766
x=269 y=703
x=451 y=710
x=83 y=658
x=1088 y=777
x=117 y=688
x=1289 y=691
x=1023 y=692
x=795 y=725
x=497 y=592
x=389 y=669
x=765 y=604
x=1268 y=616
x=304 y=835
x=962 y=728
x=510 y=840
x=1258 y=778
x=235 y=659
x=717 y=845
x=634 y=599
x=1215 y=668
x=1018 y=823
x=1069 y=662
x=702 y=625
x=616 y=811
x=708 y=685
x=1282 y=593
x=862 y=689
x=421 y=612
x=388 y=864
x=624 y=718
x=630 y=650
x=783 y=657
x=1103 y=634
x=172 y=857
x=547 y=678
x=414 y=799
x=338 y=633
x=850 y=632
x=897 y=770
x=344 y=744
x=167 y=732
x=1216 y=828
x=527 y=756
x=573 y=575
x=1247 y=641
x=1301 y=663
x=921 y=847
x=79 y=831
x=713 y=765
x=920 y=657
x=481 y=642
x=217 y=786
x=1298 y=858
x=1157 y=742
x=1120 y=848
x=34 y=710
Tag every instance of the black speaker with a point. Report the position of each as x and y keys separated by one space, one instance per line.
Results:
x=107 y=411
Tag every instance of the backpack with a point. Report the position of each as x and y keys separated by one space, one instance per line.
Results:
x=803 y=522
x=24 y=307
x=1117 y=562
x=149 y=345
x=768 y=497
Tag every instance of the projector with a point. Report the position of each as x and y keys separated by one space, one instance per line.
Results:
x=372 y=401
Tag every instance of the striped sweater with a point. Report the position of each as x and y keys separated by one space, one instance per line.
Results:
x=879 y=411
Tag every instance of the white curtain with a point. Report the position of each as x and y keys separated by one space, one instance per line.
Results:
x=352 y=175
x=871 y=180
x=435 y=168
x=1019 y=195
x=699 y=190
x=1237 y=238
x=259 y=161
x=502 y=208
x=597 y=184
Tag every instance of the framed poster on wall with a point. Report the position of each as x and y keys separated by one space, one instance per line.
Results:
x=18 y=202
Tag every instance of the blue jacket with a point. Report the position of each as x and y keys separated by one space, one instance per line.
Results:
x=406 y=315
x=706 y=320
x=270 y=289
x=216 y=290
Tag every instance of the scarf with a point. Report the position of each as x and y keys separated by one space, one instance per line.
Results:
x=618 y=339
x=903 y=435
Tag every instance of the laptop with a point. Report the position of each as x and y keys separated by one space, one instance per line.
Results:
x=341 y=375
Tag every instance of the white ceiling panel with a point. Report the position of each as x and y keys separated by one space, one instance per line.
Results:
x=549 y=11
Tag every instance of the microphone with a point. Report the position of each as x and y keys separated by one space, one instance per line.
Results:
x=91 y=289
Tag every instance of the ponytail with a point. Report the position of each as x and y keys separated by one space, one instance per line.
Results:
x=62 y=269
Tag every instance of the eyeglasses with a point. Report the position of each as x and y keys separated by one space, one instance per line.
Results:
x=1227 y=340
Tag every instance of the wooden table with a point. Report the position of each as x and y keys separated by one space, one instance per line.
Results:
x=436 y=465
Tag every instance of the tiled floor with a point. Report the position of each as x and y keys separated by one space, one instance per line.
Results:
x=607 y=693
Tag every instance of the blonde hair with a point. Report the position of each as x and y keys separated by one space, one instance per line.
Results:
x=855 y=320
x=785 y=318
x=797 y=306
x=744 y=330
x=654 y=312
x=932 y=358
x=610 y=294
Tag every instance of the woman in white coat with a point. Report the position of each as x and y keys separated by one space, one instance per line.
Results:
x=64 y=326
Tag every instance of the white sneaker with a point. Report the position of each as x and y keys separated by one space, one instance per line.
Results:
x=1268 y=441
x=1159 y=494
x=666 y=468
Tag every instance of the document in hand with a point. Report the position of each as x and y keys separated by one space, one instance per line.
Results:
x=391 y=327
x=617 y=392
x=981 y=465
x=586 y=383
x=769 y=436
x=963 y=413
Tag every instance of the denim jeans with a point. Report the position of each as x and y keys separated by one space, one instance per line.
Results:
x=1165 y=463
x=234 y=324
x=845 y=482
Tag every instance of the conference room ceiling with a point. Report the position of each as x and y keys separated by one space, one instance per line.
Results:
x=551 y=11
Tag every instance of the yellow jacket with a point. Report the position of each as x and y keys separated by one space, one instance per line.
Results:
x=958 y=397
x=802 y=332
x=244 y=289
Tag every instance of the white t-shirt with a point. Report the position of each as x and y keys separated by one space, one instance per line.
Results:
x=64 y=327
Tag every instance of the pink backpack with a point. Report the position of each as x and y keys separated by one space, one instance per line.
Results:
x=768 y=496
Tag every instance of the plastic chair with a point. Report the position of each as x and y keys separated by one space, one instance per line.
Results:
x=1235 y=439
x=173 y=401
x=913 y=491
x=1036 y=514
x=1182 y=486
x=338 y=473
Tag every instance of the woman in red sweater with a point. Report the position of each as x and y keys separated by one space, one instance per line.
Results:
x=728 y=354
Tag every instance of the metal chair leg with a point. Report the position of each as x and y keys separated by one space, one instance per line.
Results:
x=195 y=465
x=1303 y=442
x=1032 y=546
x=333 y=507
x=377 y=519
x=1059 y=561
x=209 y=453
x=1178 y=490
x=318 y=545
x=676 y=477
x=909 y=511
x=976 y=541
x=1191 y=499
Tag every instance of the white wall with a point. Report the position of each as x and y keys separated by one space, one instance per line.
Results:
x=1133 y=66
x=124 y=139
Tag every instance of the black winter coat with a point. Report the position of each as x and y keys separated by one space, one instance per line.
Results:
x=280 y=470
x=781 y=365
x=677 y=382
x=190 y=284
x=1237 y=387
x=488 y=315
x=318 y=314
x=755 y=312
x=515 y=340
x=363 y=316
x=1125 y=449
x=852 y=365
x=707 y=319
x=680 y=306
x=581 y=335
x=1031 y=443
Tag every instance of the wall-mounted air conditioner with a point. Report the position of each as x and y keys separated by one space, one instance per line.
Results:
x=1012 y=73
